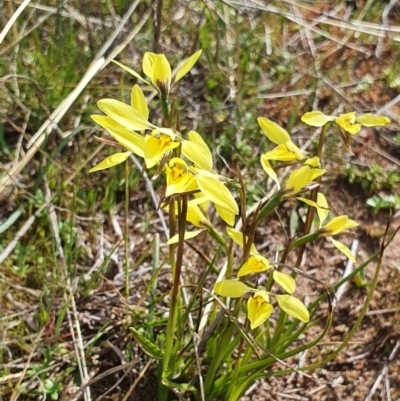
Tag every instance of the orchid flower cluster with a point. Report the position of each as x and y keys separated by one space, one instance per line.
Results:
x=165 y=147
x=187 y=164
x=259 y=307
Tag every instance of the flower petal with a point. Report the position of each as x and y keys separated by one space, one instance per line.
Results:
x=255 y=264
x=269 y=170
x=187 y=65
x=111 y=161
x=138 y=101
x=343 y=248
x=231 y=288
x=337 y=225
x=124 y=114
x=188 y=235
x=316 y=118
x=293 y=307
x=217 y=193
x=197 y=151
x=237 y=237
x=286 y=281
x=225 y=215
x=258 y=311
x=273 y=131
x=130 y=71
x=369 y=120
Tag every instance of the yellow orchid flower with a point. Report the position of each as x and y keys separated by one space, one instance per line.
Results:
x=349 y=122
x=158 y=70
x=299 y=179
x=184 y=179
x=255 y=264
x=179 y=179
x=157 y=145
x=286 y=149
x=336 y=226
x=258 y=309
x=321 y=205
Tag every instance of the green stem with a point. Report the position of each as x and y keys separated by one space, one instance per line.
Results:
x=165 y=108
x=126 y=229
x=313 y=197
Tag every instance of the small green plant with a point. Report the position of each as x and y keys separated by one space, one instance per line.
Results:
x=378 y=202
x=215 y=342
x=372 y=179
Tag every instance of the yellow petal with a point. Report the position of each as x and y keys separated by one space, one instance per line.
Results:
x=187 y=65
x=313 y=162
x=300 y=178
x=231 y=288
x=348 y=123
x=161 y=73
x=179 y=180
x=111 y=161
x=281 y=153
x=124 y=114
x=285 y=281
x=316 y=118
x=155 y=148
x=343 y=248
x=255 y=264
x=237 y=238
x=225 y=215
x=293 y=307
x=294 y=149
x=273 y=131
x=217 y=193
x=196 y=217
x=258 y=311
x=322 y=208
x=337 y=225
x=128 y=139
x=130 y=71
x=148 y=64
x=196 y=150
x=369 y=120
x=269 y=170
x=138 y=101
x=188 y=235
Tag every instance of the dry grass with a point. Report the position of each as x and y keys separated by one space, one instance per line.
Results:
x=65 y=306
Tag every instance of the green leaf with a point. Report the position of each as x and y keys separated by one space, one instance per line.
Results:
x=111 y=161
x=293 y=307
x=316 y=118
x=187 y=65
x=148 y=346
x=179 y=386
x=285 y=281
x=231 y=288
